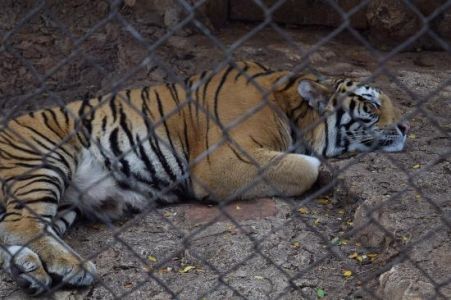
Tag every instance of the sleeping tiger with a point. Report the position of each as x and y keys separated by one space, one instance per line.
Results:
x=244 y=131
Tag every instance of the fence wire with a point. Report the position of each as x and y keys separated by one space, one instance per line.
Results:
x=152 y=61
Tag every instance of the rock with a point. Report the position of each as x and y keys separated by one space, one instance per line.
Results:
x=302 y=12
x=172 y=16
x=401 y=284
x=390 y=23
x=371 y=235
x=393 y=22
x=444 y=26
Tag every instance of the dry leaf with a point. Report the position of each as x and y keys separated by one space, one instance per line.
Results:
x=295 y=245
x=303 y=210
x=323 y=201
x=372 y=256
x=361 y=258
x=412 y=136
x=259 y=277
x=417 y=166
x=237 y=207
x=353 y=255
x=316 y=222
x=152 y=258
x=186 y=269
x=346 y=273
x=128 y=285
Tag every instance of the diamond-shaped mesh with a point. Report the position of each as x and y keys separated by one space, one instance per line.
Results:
x=374 y=226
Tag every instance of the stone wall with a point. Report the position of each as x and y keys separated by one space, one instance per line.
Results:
x=388 y=23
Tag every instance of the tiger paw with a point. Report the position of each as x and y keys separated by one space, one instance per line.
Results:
x=26 y=269
x=72 y=271
x=62 y=268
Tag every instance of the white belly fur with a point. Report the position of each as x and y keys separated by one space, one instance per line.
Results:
x=92 y=185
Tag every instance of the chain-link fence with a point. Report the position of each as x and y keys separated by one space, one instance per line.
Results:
x=375 y=225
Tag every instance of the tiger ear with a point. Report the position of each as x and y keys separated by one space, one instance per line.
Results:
x=314 y=94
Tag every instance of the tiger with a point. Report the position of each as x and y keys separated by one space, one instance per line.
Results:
x=242 y=131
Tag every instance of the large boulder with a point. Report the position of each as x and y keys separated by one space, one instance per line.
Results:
x=392 y=23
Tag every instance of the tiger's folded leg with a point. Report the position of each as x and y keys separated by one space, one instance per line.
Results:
x=26 y=268
x=31 y=206
x=269 y=173
x=43 y=249
x=66 y=216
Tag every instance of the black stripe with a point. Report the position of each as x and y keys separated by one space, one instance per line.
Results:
x=14 y=145
x=126 y=129
x=155 y=145
x=290 y=114
x=55 y=119
x=145 y=107
x=174 y=94
x=261 y=66
x=163 y=117
x=54 y=144
x=150 y=167
x=256 y=142
x=218 y=90
x=127 y=93
x=114 y=144
x=66 y=116
x=113 y=107
x=255 y=76
x=66 y=223
x=243 y=71
x=7 y=155
x=351 y=108
x=5 y=215
x=23 y=202
x=106 y=159
x=338 y=118
x=48 y=167
x=207 y=116
x=186 y=138
x=202 y=76
x=60 y=158
x=289 y=84
x=326 y=143
x=54 y=182
x=238 y=155
x=35 y=190
x=189 y=84
x=104 y=121
x=150 y=132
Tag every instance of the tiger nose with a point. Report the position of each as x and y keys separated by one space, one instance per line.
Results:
x=404 y=127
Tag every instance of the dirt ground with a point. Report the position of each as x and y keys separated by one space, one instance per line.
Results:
x=383 y=230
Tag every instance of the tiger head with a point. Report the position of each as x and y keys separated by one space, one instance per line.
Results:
x=358 y=117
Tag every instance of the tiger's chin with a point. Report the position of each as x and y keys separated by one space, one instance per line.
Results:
x=395 y=145
x=384 y=144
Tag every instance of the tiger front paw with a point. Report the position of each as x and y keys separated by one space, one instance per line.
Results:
x=71 y=270
x=62 y=268
x=26 y=268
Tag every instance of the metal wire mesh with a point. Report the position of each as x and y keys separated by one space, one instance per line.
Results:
x=352 y=271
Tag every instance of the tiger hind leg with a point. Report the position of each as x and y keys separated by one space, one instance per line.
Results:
x=66 y=216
